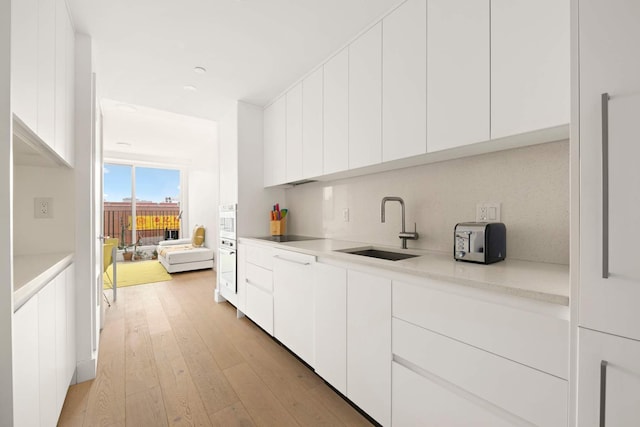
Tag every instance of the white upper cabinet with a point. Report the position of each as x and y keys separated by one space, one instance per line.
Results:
x=458 y=61
x=609 y=33
x=46 y=70
x=24 y=61
x=275 y=145
x=69 y=93
x=294 y=133
x=64 y=83
x=404 y=81
x=529 y=65
x=365 y=99
x=336 y=113
x=312 y=122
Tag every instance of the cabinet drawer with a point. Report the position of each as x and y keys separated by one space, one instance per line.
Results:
x=419 y=401
x=521 y=391
x=260 y=256
x=258 y=276
x=293 y=257
x=260 y=307
x=537 y=339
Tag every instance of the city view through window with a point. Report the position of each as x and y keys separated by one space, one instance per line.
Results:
x=150 y=195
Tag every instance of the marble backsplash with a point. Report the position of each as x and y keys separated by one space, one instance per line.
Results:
x=531 y=183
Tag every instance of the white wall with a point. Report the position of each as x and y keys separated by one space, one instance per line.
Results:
x=34 y=235
x=532 y=183
x=228 y=155
x=203 y=204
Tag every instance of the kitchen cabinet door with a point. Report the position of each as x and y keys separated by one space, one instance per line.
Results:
x=294 y=133
x=312 y=122
x=404 y=81
x=47 y=352
x=46 y=70
x=529 y=65
x=71 y=324
x=275 y=145
x=420 y=401
x=70 y=115
x=608 y=32
x=26 y=365
x=260 y=307
x=62 y=381
x=336 y=113
x=242 y=277
x=365 y=99
x=293 y=302
x=330 y=301
x=24 y=61
x=61 y=78
x=621 y=384
x=369 y=344
x=458 y=61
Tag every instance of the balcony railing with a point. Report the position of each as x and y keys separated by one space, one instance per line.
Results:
x=150 y=224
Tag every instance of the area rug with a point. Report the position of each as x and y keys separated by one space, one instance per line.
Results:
x=136 y=273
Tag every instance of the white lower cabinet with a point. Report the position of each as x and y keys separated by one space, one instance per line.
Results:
x=330 y=310
x=258 y=283
x=44 y=356
x=369 y=344
x=26 y=365
x=613 y=387
x=293 y=302
x=421 y=401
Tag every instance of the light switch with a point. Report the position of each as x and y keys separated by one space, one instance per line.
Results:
x=488 y=212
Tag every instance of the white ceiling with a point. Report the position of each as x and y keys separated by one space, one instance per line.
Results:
x=252 y=49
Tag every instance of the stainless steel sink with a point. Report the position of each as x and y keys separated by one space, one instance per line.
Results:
x=377 y=253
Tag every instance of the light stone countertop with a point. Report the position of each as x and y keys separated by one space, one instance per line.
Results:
x=32 y=272
x=534 y=280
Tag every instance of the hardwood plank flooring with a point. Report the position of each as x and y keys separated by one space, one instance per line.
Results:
x=170 y=356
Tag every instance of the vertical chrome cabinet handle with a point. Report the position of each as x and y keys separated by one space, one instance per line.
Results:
x=603 y=390
x=605 y=185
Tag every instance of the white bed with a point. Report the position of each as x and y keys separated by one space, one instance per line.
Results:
x=180 y=255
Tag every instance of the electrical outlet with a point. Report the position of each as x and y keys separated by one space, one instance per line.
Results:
x=488 y=212
x=43 y=207
x=345 y=214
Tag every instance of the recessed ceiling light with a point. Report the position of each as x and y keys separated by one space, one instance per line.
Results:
x=124 y=144
x=199 y=70
x=190 y=88
x=126 y=107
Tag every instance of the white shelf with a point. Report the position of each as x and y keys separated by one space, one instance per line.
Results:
x=32 y=272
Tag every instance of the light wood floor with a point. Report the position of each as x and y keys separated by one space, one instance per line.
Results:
x=169 y=355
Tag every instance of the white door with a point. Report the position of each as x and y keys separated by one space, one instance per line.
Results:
x=608 y=380
x=97 y=214
x=609 y=294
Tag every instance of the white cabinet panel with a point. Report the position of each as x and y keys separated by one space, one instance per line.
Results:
x=312 y=123
x=294 y=133
x=61 y=356
x=524 y=392
x=404 y=81
x=70 y=90
x=621 y=385
x=70 y=366
x=275 y=146
x=458 y=61
x=26 y=378
x=330 y=302
x=260 y=307
x=61 y=77
x=608 y=32
x=336 y=113
x=242 y=278
x=46 y=70
x=369 y=344
x=365 y=99
x=536 y=339
x=418 y=401
x=24 y=61
x=293 y=302
x=529 y=65
x=47 y=352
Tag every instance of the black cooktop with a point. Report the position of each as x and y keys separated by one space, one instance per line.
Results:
x=290 y=238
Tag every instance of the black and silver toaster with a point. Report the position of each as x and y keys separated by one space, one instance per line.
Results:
x=481 y=242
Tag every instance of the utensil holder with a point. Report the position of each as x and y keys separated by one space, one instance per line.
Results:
x=279 y=227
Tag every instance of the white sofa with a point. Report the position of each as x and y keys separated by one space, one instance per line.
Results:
x=180 y=255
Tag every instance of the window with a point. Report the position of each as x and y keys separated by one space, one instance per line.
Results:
x=150 y=195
